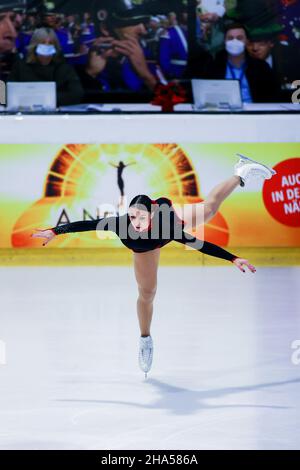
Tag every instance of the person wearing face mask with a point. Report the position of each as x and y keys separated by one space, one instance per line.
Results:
x=257 y=80
x=8 y=37
x=44 y=62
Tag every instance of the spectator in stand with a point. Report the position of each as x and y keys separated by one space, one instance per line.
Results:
x=44 y=62
x=257 y=80
x=54 y=20
x=88 y=34
x=154 y=33
x=138 y=67
x=211 y=14
x=173 y=49
x=282 y=58
x=25 y=26
x=8 y=37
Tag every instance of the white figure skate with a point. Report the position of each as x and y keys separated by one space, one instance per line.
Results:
x=247 y=168
x=145 y=354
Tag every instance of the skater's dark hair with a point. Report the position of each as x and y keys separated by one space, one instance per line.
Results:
x=144 y=202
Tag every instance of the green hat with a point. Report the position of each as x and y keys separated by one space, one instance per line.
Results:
x=265 y=33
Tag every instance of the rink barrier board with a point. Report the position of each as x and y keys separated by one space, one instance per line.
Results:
x=262 y=256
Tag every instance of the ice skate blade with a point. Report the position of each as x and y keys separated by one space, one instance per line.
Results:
x=254 y=161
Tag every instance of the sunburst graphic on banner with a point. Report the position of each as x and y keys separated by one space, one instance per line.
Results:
x=83 y=183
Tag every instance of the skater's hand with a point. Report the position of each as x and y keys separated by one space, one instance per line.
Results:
x=239 y=262
x=48 y=234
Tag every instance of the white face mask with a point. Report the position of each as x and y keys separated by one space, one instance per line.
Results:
x=235 y=47
x=45 y=49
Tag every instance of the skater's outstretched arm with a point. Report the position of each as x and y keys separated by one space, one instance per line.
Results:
x=105 y=223
x=213 y=250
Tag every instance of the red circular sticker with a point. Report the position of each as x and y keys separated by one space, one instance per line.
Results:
x=281 y=193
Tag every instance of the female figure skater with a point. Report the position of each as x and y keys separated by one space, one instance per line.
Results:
x=147 y=227
x=121 y=168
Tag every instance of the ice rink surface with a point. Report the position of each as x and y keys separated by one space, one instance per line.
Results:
x=224 y=374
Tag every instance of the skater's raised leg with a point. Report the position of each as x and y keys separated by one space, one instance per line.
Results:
x=217 y=195
x=202 y=212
